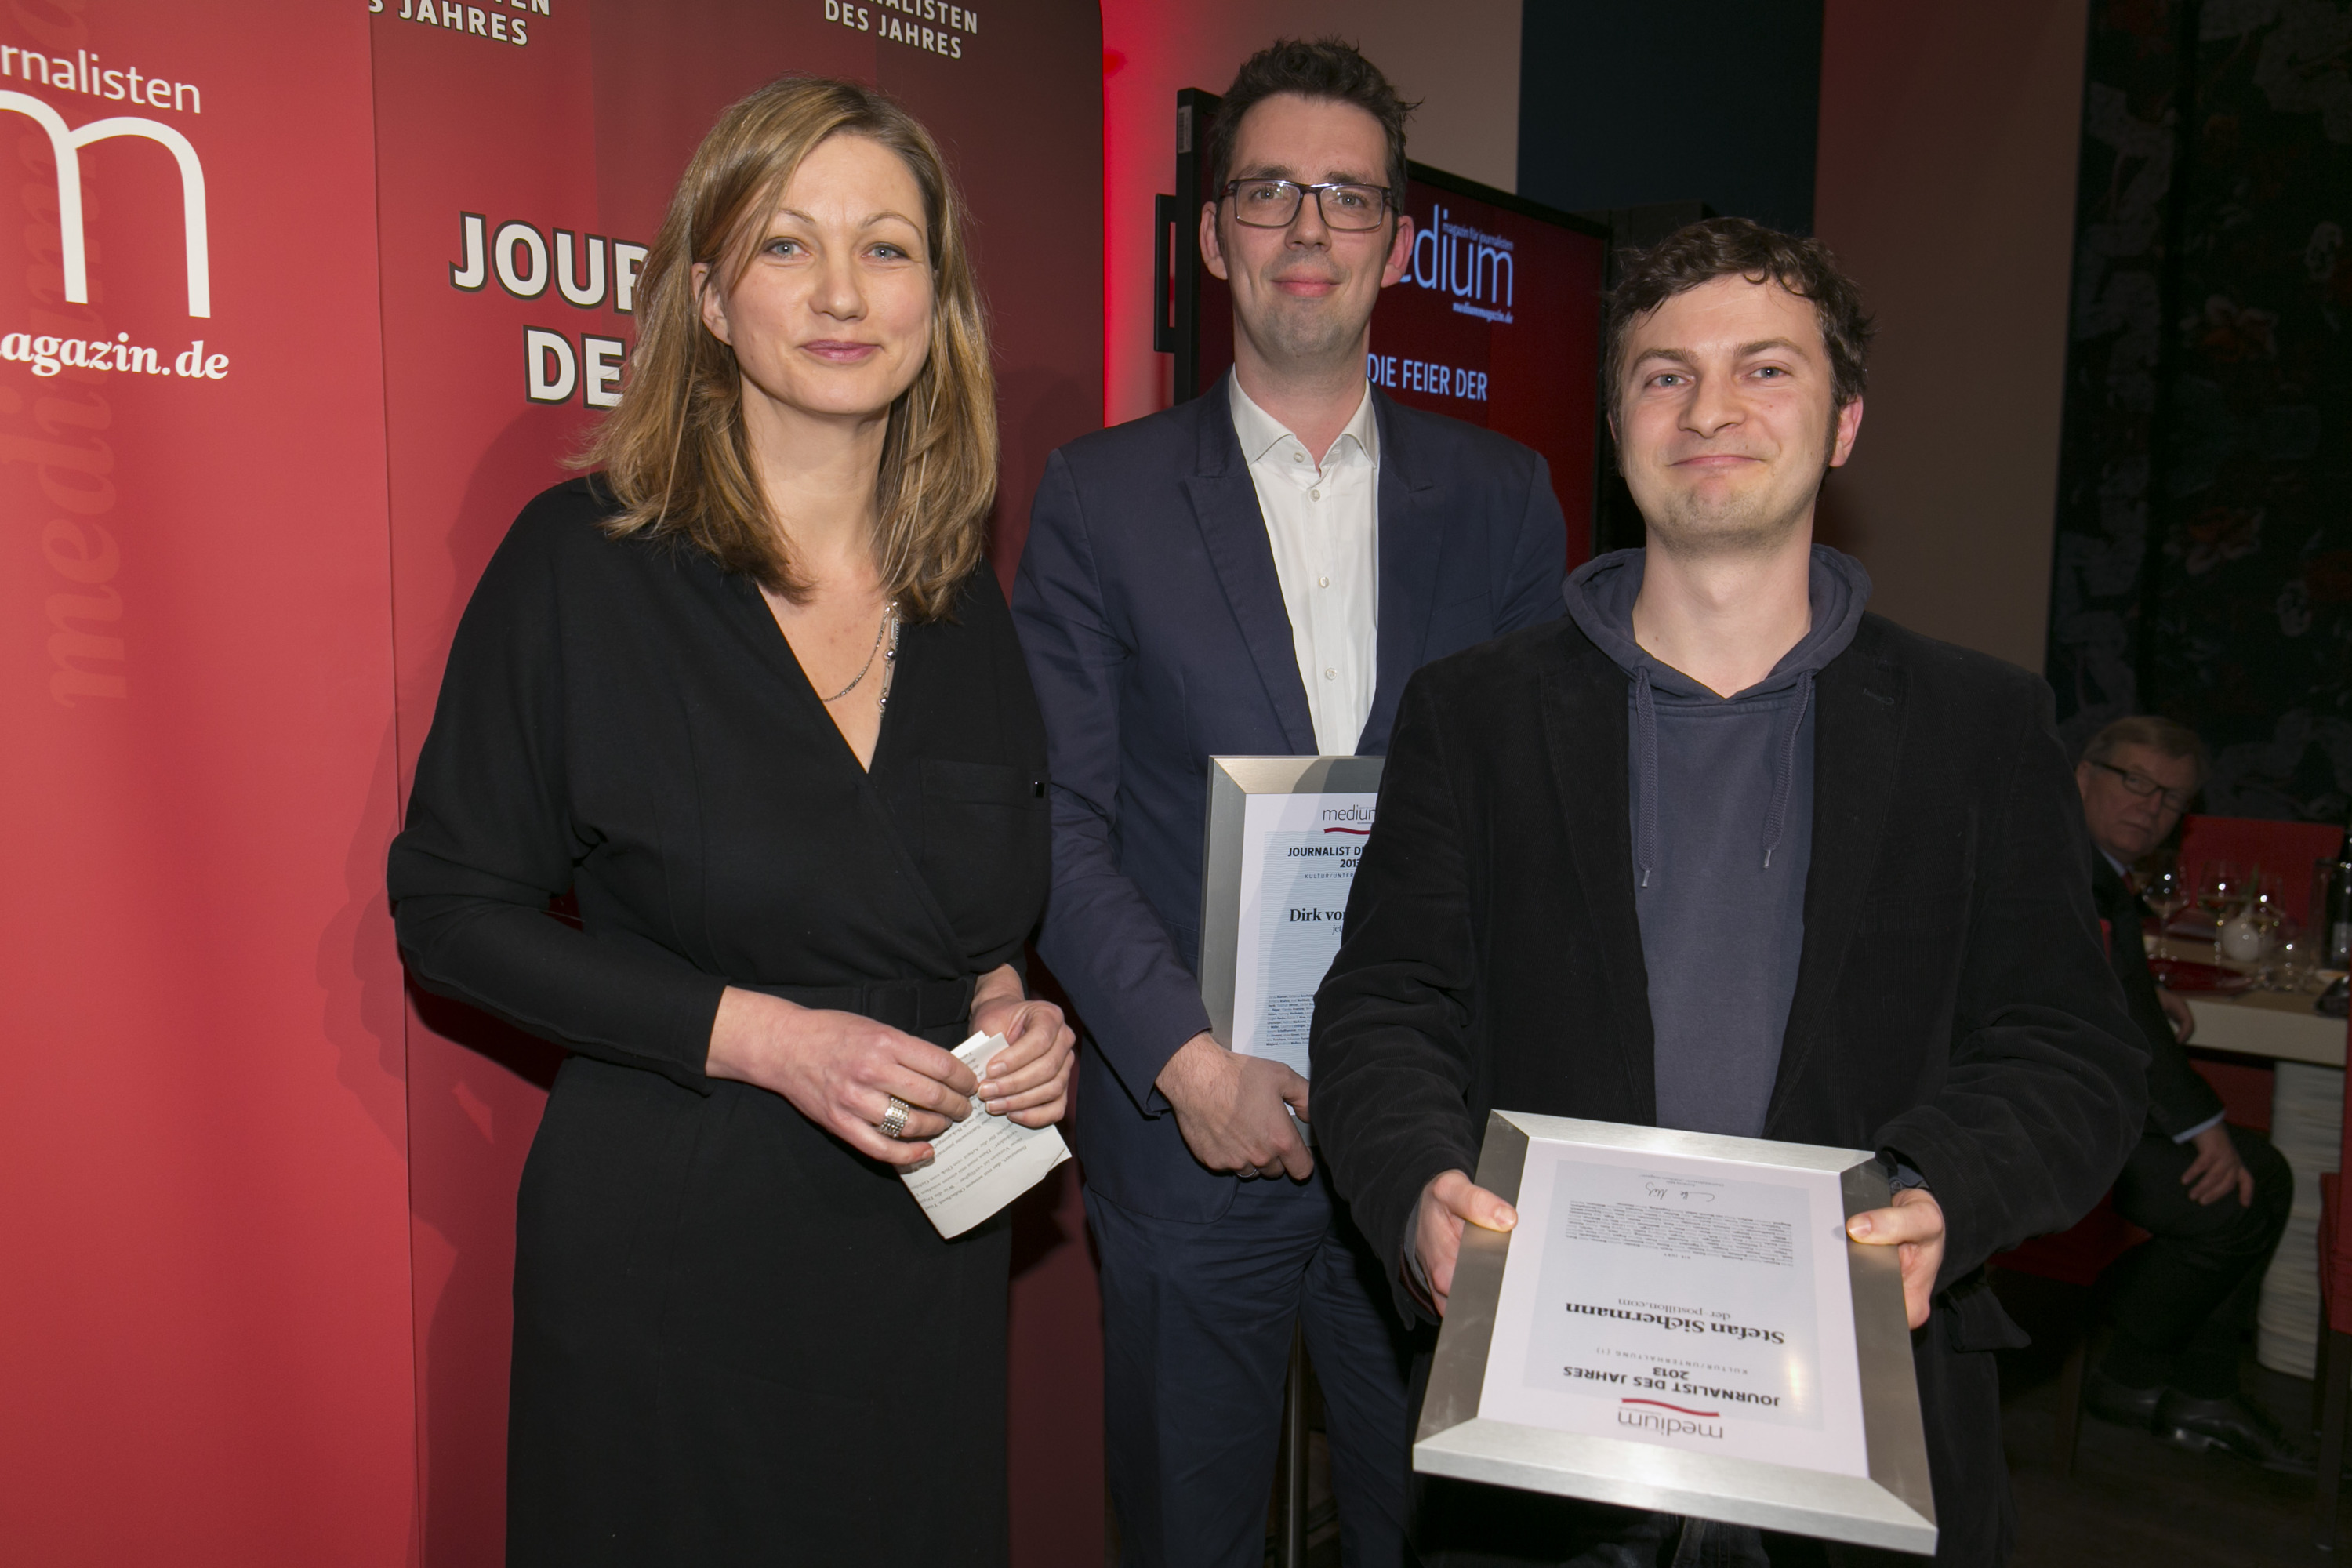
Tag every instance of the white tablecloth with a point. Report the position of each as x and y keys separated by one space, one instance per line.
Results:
x=2306 y=1126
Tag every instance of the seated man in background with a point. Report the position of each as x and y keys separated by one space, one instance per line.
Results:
x=2214 y=1196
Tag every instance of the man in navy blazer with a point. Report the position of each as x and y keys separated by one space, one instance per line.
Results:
x=1257 y=573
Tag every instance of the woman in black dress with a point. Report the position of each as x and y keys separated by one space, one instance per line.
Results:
x=751 y=695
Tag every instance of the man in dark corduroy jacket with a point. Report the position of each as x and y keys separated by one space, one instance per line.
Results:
x=1724 y=852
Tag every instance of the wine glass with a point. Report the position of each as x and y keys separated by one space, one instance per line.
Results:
x=2330 y=935
x=2220 y=889
x=2296 y=958
x=2266 y=914
x=2165 y=890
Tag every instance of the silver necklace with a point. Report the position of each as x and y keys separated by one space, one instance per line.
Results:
x=887 y=631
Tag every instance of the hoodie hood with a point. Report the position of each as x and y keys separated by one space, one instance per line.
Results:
x=1602 y=591
x=1601 y=595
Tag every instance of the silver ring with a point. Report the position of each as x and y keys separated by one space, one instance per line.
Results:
x=894 y=1120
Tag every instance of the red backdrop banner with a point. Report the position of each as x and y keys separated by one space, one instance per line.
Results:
x=203 y=1275
x=357 y=282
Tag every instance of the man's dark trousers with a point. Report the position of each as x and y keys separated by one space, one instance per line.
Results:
x=2183 y=1300
x=1152 y=618
x=1197 y=1373
x=2186 y=1298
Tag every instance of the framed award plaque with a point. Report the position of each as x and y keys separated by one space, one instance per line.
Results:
x=1679 y=1322
x=1284 y=835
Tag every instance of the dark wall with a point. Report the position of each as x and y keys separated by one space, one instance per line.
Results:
x=1714 y=101
x=2203 y=567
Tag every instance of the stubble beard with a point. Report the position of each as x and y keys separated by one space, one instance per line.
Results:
x=1312 y=336
x=1756 y=523
x=1305 y=335
x=1694 y=527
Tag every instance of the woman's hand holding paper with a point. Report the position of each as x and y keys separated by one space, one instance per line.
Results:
x=1029 y=1080
x=841 y=1072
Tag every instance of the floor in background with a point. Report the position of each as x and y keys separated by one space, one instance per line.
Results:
x=2134 y=1501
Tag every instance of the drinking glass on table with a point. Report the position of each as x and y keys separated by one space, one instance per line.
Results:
x=2164 y=890
x=2320 y=929
x=2220 y=889
x=2265 y=914
x=2294 y=964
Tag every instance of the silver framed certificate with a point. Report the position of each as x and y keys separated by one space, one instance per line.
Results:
x=1284 y=835
x=1679 y=1322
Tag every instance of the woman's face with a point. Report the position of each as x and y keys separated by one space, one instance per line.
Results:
x=833 y=318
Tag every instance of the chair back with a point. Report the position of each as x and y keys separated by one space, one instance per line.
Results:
x=2246 y=1086
x=2079 y=1254
x=2283 y=849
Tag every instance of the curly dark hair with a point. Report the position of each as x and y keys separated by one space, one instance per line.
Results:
x=1726 y=247
x=1325 y=69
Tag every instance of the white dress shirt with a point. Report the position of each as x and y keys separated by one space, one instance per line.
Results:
x=1322 y=520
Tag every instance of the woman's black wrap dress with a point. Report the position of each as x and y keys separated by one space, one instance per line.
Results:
x=735 y=1340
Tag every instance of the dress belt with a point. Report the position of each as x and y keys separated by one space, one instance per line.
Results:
x=910 y=1007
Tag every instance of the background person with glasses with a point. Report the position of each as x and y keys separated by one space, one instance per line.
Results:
x=1255 y=572
x=2214 y=1198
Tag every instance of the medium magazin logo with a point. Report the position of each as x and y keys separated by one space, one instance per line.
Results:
x=1666 y=1426
x=65 y=145
x=51 y=353
x=69 y=349
x=1475 y=267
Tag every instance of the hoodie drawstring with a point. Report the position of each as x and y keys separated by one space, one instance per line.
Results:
x=1776 y=817
x=1645 y=742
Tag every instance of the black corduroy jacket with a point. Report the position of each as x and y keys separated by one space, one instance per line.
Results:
x=1953 y=1002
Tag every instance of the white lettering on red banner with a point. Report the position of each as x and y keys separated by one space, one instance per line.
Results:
x=585 y=269
x=1426 y=376
x=490 y=20
x=84 y=74
x=902 y=22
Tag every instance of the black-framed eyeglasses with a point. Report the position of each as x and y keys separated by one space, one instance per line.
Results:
x=1274 y=203
x=2144 y=786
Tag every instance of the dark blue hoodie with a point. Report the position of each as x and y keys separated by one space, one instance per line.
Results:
x=1722 y=808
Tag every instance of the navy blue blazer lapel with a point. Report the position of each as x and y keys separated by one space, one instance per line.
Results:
x=1410 y=529
x=1232 y=533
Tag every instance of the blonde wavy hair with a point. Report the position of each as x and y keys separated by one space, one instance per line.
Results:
x=674 y=452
